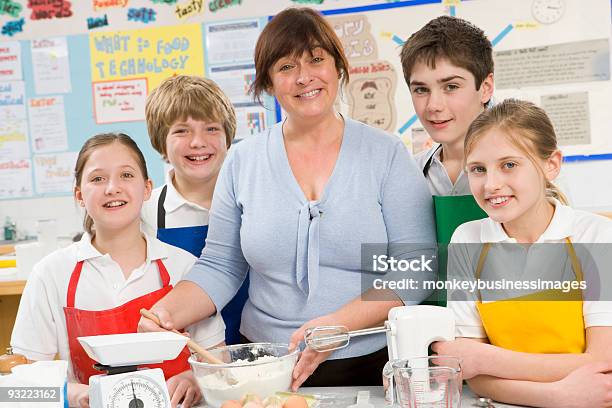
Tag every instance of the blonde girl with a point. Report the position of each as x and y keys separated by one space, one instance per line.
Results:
x=98 y=285
x=522 y=351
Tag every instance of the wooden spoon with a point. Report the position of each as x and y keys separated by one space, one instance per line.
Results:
x=205 y=354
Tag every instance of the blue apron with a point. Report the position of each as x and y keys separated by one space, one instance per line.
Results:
x=193 y=240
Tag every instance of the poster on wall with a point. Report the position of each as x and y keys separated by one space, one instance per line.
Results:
x=250 y=119
x=372 y=86
x=231 y=42
x=354 y=31
x=13 y=122
x=10 y=61
x=154 y=53
x=54 y=172
x=15 y=178
x=420 y=140
x=230 y=49
x=570 y=116
x=120 y=101
x=235 y=80
x=579 y=61
x=371 y=94
x=47 y=124
x=51 y=66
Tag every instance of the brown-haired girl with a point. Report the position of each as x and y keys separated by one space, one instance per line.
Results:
x=98 y=285
x=532 y=347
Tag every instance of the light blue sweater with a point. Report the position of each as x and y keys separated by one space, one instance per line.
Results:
x=304 y=256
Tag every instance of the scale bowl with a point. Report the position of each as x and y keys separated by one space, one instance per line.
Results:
x=257 y=368
x=128 y=349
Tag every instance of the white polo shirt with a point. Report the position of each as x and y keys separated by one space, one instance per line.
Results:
x=437 y=178
x=580 y=226
x=40 y=329
x=179 y=211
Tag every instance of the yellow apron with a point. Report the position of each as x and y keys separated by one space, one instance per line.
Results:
x=536 y=326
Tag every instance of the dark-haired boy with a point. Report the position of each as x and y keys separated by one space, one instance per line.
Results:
x=448 y=66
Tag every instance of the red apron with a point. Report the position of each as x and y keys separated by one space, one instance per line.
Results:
x=121 y=319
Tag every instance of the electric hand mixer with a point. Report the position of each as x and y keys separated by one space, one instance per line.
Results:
x=410 y=331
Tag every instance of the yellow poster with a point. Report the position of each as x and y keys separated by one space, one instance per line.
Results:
x=151 y=53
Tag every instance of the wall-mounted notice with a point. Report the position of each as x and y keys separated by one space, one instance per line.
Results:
x=10 y=61
x=154 y=53
x=15 y=178
x=235 y=81
x=569 y=114
x=54 y=172
x=420 y=140
x=354 y=33
x=13 y=123
x=51 y=66
x=250 y=119
x=228 y=43
x=120 y=101
x=553 y=64
x=371 y=93
x=47 y=124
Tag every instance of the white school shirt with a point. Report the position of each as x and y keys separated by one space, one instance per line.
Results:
x=580 y=226
x=179 y=211
x=437 y=178
x=40 y=329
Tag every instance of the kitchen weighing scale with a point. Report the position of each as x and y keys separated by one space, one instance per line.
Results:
x=125 y=385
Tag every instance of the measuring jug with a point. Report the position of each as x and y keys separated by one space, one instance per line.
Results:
x=426 y=382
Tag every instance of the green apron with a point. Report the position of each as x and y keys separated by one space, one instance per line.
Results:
x=450 y=212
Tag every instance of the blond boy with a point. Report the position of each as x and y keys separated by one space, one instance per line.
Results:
x=191 y=123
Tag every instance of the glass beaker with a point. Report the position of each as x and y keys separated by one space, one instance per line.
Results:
x=427 y=382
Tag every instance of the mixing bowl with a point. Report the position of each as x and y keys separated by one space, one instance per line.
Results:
x=257 y=368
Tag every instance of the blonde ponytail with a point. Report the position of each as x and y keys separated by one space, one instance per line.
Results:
x=555 y=192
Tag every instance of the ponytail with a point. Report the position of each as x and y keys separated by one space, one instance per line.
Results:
x=88 y=223
x=555 y=192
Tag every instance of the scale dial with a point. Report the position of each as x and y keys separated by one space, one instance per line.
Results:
x=137 y=391
x=548 y=11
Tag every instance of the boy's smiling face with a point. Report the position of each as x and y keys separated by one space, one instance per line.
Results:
x=196 y=149
x=446 y=100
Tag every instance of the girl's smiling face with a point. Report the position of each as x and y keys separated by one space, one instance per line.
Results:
x=508 y=184
x=113 y=188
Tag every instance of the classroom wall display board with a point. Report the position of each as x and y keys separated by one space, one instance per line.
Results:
x=56 y=92
x=554 y=53
x=70 y=69
x=32 y=19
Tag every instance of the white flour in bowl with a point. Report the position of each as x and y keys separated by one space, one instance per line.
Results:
x=260 y=379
